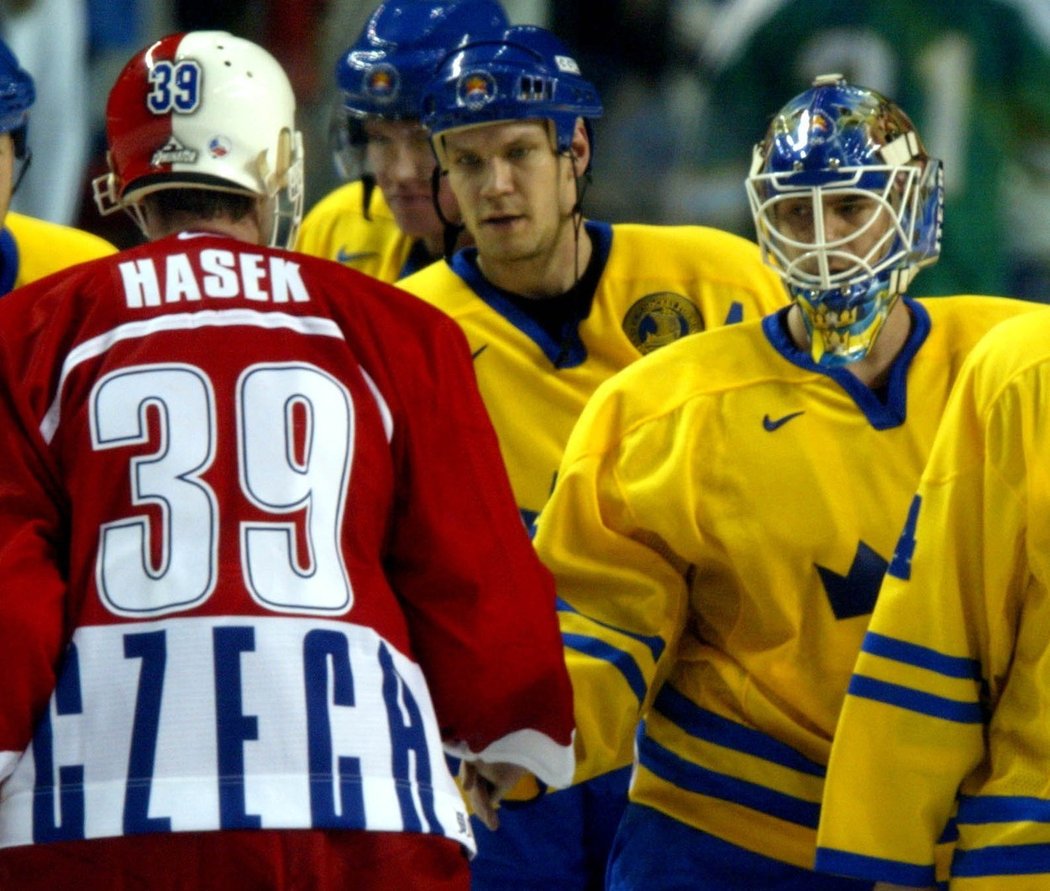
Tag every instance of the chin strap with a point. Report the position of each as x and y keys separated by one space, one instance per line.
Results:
x=452 y=231
x=582 y=183
x=26 y=159
x=368 y=186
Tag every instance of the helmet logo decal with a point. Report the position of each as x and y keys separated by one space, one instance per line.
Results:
x=175 y=88
x=382 y=83
x=173 y=152
x=219 y=146
x=657 y=319
x=820 y=127
x=476 y=89
x=567 y=64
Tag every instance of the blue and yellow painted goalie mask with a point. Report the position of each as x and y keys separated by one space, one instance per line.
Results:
x=847 y=208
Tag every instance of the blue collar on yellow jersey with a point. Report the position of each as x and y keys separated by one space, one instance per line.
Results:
x=8 y=261
x=562 y=345
x=882 y=413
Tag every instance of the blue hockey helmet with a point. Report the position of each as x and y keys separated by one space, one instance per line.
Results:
x=384 y=72
x=17 y=94
x=527 y=73
x=843 y=146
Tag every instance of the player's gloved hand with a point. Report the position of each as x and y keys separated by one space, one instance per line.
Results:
x=485 y=784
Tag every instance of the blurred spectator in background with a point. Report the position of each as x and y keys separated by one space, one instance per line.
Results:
x=30 y=248
x=50 y=38
x=116 y=28
x=634 y=54
x=974 y=72
x=685 y=83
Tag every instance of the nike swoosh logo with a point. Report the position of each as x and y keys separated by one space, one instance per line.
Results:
x=478 y=352
x=344 y=257
x=769 y=424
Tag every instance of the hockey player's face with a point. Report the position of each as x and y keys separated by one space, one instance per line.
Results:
x=515 y=193
x=841 y=226
x=400 y=157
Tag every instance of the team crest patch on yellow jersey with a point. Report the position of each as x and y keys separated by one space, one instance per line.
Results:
x=656 y=320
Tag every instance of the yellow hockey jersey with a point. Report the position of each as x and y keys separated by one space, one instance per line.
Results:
x=657 y=284
x=949 y=705
x=32 y=248
x=337 y=229
x=722 y=521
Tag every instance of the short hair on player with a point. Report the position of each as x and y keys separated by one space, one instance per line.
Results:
x=174 y=206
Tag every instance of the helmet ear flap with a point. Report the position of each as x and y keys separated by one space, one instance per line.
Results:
x=276 y=178
x=284 y=156
x=286 y=187
x=106 y=189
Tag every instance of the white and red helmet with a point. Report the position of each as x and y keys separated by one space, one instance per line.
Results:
x=204 y=110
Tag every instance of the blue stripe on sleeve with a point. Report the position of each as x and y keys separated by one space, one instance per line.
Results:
x=1003 y=809
x=1002 y=860
x=921 y=657
x=916 y=701
x=619 y=659
x=693 y=778
x=874 y=868
x=706 y=725
x=655 y=644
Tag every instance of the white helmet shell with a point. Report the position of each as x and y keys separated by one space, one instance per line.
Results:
x=204 y=110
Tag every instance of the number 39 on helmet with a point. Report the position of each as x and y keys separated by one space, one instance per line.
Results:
x=204 y=110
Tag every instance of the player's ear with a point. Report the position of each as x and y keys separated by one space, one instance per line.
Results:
x=580 y=147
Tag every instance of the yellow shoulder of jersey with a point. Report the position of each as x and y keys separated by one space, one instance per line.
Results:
x=1011 y=348
x=699 y=252
x=336 y=229
x=728 y=359
x=45 y=247
x=440 y=286
x=708 y=264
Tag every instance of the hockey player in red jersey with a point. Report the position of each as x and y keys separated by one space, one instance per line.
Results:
x=260 y=566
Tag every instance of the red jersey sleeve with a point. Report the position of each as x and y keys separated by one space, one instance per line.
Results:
x=32 y=581
x=480 y=605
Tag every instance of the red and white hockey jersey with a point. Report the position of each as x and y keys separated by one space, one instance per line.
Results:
x=260 y=565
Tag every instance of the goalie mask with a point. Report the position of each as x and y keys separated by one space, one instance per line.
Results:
x=204 y=110
x=847 y=208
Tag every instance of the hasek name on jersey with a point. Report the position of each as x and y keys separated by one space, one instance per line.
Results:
x=219 y=274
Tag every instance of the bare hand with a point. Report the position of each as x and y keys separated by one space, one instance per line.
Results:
x=485 y=785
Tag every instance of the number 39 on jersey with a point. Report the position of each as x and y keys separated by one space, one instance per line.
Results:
x=294 y=426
